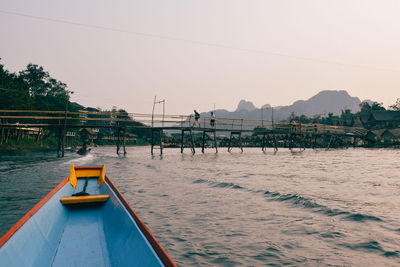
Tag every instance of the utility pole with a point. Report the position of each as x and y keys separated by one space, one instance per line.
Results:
x=152 y=113
x=152 y=124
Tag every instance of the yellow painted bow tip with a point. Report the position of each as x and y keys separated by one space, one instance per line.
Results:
x=72 y=177
x=102 y=176
x=89 y=172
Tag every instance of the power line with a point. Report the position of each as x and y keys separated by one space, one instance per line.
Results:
x=202 y=43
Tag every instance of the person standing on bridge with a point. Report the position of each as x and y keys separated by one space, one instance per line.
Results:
x=212 y=119
x=196 y=118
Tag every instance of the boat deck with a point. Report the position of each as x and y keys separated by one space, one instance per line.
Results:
x=84 y=227
x=100 y=234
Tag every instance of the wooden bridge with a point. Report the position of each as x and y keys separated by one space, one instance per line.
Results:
x=178 y=130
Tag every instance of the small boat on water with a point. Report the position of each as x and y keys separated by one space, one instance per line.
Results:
x=84 y=221
x=83 y=150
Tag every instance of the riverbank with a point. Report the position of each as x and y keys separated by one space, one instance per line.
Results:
x=28 y=144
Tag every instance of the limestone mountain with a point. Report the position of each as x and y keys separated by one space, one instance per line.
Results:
x=323 y=103
x=245 y=106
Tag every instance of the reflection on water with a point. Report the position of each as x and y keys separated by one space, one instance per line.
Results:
x=334 y=207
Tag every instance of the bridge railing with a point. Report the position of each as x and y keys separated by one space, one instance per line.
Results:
x=111 y=119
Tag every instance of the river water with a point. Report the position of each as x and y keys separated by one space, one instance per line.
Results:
x=337 y=207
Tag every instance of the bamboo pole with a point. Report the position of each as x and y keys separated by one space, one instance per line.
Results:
x=118 y=140
x=192 y=142
x=124 y=141
x=203 y=143
x=161 y=141
x=182 y=137
x=215 y=142
x=2 y=133
x=152 y=140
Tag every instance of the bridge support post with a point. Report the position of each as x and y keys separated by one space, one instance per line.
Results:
x=182 y=137
x=275 y=144
x=263 y=142
x=346 y=145
x=124 y=140
x=59 y=142
x=204 y=141
x=239 y=134
x=230 y=142
x=314 y=142
x=152 y=140
x=118 y=139
x=161 y=141
x=330 y=142
x=63 y=143
x=2 y=132
x=8 y=135
x=290 y=140
x=191 y=140
x=215 y=142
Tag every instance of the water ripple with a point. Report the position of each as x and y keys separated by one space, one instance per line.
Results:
x=325 y=208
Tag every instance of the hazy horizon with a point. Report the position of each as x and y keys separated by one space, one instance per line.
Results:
x=197 y=54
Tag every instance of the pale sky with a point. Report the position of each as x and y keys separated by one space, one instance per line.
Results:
x=197 y=53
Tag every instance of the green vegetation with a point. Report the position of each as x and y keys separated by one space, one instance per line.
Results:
x=34 y=89
x=24 y=143
x=346 y=116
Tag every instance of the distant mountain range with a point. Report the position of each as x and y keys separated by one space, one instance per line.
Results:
x=321 y=104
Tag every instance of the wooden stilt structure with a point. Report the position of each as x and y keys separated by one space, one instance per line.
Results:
x=59 y=141
x=204 y=142
x=304 y=136
x=330 y=142
x=121 y=140
x=275 y=143
x=2 y=132
x=345 y=144
x=192 y=147
x=64 y=133
x=239 y=135
x=214 y=140
x=153 y=143
x=118 y=139
x=124 y=140
x=314 y=143
x=263 y=142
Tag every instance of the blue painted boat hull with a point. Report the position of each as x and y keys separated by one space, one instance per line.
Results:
x=83 y=235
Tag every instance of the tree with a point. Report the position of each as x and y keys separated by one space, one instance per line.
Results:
x=377 y=106
x=46 y=92
x=329 y=120
x=367 y=108
x=13 y=92
x=396 y=106
x=346 y=114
